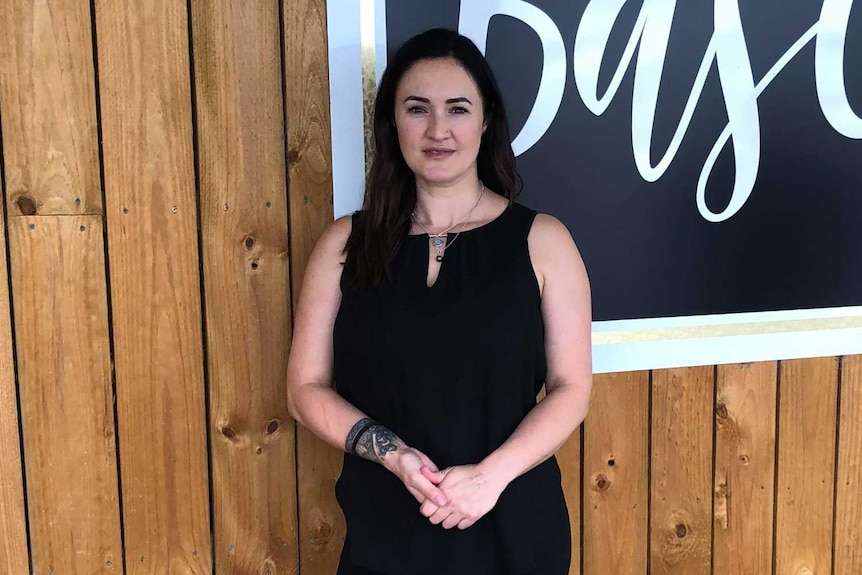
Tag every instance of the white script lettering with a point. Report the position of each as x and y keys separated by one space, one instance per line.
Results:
x=727 y=48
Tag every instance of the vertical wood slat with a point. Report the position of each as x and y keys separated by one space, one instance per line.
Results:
x=321 y=523
x=615 y=475
x=50 y=154
x=806 y=465
x=67 y=404
x=848 y=502
x=14 y=554
x=238 y=88
x=744 y=468
x=681 y=471
x=48 y=95
x=144 y=82
x=569 y=459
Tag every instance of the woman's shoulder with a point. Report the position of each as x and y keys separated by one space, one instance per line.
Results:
x=337 y=232
x=543 y=228
x=551 y=244
x=333 y=241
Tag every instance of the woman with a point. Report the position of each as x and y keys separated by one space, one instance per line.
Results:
x=427 y=324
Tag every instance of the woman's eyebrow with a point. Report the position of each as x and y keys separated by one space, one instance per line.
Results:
x=427 y=101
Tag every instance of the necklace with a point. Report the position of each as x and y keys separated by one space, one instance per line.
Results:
x=438 y=240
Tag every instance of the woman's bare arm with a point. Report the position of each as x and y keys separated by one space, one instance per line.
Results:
x=311 y=398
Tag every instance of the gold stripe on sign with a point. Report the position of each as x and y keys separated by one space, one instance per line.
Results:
x=367 y=40
x=722 y=330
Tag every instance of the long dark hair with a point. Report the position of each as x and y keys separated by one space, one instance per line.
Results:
x=390 y=191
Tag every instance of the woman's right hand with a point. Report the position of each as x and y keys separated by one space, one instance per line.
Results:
x=407 y=463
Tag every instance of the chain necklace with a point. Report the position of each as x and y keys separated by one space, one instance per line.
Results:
x=438 y=240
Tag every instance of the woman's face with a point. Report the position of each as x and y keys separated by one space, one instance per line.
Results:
x=439 y=118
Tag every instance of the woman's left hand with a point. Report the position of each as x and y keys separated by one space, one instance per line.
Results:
x=471 y=493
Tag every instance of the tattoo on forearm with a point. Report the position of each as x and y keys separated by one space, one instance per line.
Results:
x=370 y=440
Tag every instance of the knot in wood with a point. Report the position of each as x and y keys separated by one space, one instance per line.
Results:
x=602 y=483
x=26 y=205
x=228 y=432
x=272 y=426
x=681 y=530
x=324 y=530
x=721 y=411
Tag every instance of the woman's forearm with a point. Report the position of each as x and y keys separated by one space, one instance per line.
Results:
x=541 y=433
x=339 y=423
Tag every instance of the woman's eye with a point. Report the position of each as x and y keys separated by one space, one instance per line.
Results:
x=416 y=110
x=459 y=110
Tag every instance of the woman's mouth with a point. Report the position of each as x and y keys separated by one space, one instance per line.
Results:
x=438 y=153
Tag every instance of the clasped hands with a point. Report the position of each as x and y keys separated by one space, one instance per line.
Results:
x=457 y=496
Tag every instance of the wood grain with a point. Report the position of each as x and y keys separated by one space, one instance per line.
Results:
x=569 y=460
x=144 y=80
x=744 y=468
x=848 y=505
x=14 y=554
x=61 y=321
x=616 y=456
x=309 y=155
x=309 y=148
x=243 y=206
x=681 y=471
x=808 y=399
x=47 y=88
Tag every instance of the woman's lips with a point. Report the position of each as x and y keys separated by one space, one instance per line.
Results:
x=438 y=153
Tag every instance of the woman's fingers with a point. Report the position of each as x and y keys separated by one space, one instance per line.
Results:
x=434 y=476
x=428 y=508
x=440 y=515
x=451 y=521
x=465 y=523
x=428 y=491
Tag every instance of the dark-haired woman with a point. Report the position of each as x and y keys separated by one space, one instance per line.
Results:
x=427 y=325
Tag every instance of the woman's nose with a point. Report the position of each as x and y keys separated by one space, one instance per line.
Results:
x=438 y=127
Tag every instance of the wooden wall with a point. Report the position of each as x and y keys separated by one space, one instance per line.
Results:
x=165 y=173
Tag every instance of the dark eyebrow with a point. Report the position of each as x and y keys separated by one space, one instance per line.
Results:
x=427 y=101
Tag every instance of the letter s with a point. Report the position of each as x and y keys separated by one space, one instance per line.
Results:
x=829 y=68
x=473 y=22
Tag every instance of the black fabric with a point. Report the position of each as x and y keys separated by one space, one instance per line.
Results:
x=451 y=369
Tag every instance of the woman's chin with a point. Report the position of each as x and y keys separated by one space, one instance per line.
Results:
x=437 y=177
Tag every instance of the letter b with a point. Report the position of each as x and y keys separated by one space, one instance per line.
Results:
x=473 y=22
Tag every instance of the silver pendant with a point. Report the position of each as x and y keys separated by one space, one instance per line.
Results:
x=439 y=243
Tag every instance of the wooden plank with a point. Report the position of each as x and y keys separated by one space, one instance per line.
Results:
x=616 y=435
x=237 y=54
x=49 y=108
x=848 y=506
x=744 y=468
x=151 y=212
x=569 y=459
x=14 y=555
x=681 y=486
x=806 y=464
x=321 y=523
x=61 y=330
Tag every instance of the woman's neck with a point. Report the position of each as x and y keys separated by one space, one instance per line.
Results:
x=440 y=207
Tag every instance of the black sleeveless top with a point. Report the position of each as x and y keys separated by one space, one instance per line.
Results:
x=452 y=369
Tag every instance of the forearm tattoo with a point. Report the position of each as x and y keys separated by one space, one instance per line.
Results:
x=370 y=440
